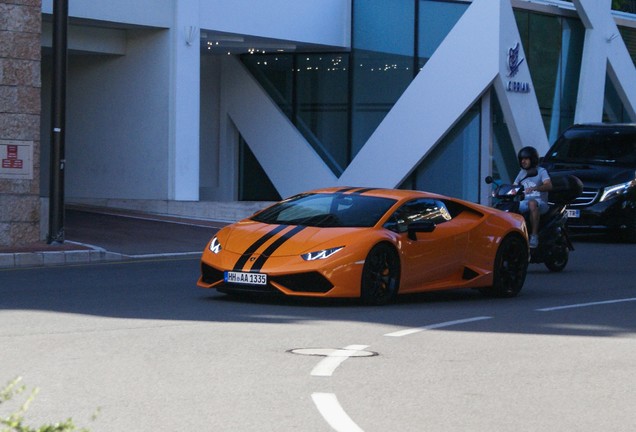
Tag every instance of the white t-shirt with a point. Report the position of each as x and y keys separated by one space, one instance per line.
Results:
x=538 y=180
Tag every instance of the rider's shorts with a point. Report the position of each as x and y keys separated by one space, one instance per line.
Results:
x=543 y=206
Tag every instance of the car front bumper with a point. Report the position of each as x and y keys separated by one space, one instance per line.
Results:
x=615 y=213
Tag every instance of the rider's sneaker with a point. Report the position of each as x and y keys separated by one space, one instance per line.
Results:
x=534 y=241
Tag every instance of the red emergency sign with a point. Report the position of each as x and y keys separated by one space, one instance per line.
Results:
x=12 y=160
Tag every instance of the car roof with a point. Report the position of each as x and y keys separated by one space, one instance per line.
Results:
x=397 y=194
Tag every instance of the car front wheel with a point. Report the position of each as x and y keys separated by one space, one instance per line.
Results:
x=380 y=275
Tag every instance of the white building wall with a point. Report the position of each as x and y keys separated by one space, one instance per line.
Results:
x=325 y=22
x=133 y=121
x=322 y=22
x=185 y=54
x=117 y=121
x=134 y=129
x=153 y=13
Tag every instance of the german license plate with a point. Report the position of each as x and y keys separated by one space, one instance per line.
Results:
x=245 y=278
x=573 y=213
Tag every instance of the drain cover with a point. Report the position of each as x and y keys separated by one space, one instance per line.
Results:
x=332 y=352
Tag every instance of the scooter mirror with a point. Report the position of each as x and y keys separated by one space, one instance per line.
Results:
x=489 y=180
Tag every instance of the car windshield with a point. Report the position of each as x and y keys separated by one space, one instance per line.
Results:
x=327 y=210
x=606 y=146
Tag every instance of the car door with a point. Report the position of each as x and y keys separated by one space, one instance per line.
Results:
x=430 y=257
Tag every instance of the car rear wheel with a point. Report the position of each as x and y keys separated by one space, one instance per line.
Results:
x=511 y=266
x=380 y=276
x=557 y=257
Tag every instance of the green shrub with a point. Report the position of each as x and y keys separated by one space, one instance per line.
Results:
x=15 y=422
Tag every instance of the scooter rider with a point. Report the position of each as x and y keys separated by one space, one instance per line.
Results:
x=536 y=183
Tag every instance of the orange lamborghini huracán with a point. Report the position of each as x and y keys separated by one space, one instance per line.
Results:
x=371 y=244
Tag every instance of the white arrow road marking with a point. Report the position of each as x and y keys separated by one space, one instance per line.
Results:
x=332 y=412
x=334 y=359
x=580 y=305
x=435 y=326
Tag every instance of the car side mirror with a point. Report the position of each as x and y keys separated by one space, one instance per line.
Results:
x=420 y=226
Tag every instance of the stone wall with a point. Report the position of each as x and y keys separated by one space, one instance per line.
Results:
x=20 y=83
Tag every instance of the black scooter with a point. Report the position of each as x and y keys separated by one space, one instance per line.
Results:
x=554 y=242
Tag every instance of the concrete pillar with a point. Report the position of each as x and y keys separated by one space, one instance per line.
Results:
x=184 y=104
x=20 y=27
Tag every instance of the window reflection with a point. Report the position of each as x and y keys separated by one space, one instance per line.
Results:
x=418 y=210
x=554 y=48
x=452 y=167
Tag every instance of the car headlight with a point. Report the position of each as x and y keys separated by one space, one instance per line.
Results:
x=215 y=245
x=321 y=254
x=616 y=190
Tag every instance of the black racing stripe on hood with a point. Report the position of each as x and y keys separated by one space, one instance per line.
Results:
x=272 y=248
x=254 y=247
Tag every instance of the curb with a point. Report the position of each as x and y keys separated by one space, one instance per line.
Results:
x=61 y=258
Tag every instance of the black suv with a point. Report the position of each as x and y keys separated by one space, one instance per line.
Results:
x=603 y=156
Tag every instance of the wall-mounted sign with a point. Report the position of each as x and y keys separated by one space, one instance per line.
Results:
x=16 y=159
x=514 y=62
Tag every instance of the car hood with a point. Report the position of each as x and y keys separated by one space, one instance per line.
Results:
x=290 y=240
x=592 y=176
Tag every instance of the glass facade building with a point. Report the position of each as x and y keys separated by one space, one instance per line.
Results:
x=211 y=101
x=338 y=99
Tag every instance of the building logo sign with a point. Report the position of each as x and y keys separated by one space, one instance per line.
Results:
x=514 y=62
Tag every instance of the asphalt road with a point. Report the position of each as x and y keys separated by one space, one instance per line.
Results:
x=154 y=353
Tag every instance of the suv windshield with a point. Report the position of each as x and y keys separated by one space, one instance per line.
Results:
x=327 y=210
x=595 y=145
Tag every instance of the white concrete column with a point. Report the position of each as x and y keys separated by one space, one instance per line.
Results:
x=184 y=102
x=589 y=105
x=604 y=54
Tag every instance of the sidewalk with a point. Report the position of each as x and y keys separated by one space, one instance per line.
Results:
x=97 y=235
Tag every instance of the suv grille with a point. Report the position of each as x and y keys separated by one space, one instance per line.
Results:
x=587 y=197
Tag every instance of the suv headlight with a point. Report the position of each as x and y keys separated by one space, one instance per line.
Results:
x=321 y=254
x=616 y=190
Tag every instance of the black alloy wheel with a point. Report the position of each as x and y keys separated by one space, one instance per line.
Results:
x=511 y=266
x=380 y=276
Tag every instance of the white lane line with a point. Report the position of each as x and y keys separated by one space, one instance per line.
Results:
x=332 y=412
x=580 y=305
x=334 y=359
x=435 y=326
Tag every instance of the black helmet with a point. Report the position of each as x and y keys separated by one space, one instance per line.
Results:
x=530 y=153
